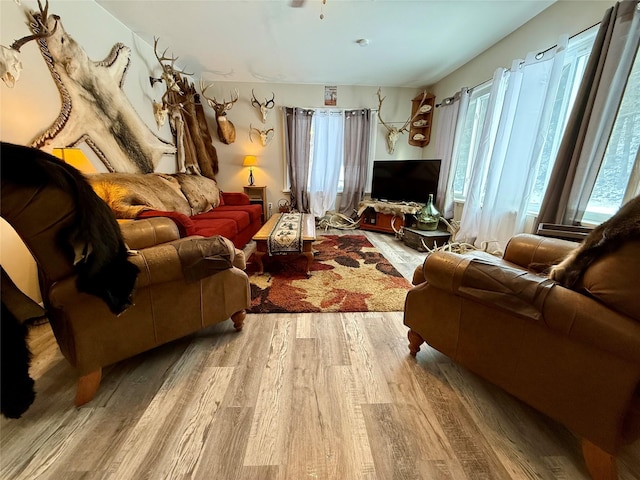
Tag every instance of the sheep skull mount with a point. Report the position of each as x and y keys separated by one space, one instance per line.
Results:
x=10 y=64
x=393 y=133
x=265 y=135
x=171 y=76
x=265 y=106
x=226 y=130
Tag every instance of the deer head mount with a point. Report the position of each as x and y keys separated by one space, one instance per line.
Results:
x=226 y=129
x=171 y=76
x=10 y=64
x=265 y=106
x=265 y=135
x=393 y=133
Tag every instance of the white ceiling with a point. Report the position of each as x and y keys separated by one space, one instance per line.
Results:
x=411 y=43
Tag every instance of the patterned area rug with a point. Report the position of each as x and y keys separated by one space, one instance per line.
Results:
x=348 y=274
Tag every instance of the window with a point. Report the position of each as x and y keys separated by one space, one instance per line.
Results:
x=614 y=178
x=575 y=62
x=468 y=143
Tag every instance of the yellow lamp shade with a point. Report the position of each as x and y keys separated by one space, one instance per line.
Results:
x=76 y=158
x=250 y=161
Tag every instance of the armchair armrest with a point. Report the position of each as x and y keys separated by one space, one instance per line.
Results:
x=147 y=232
x=537 y=253
x=235 y=198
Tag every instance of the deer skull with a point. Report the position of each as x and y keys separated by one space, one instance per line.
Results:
x=160 y=113
x=393 y=133
x=265 y=106
x=265 y=135
x=10 y=65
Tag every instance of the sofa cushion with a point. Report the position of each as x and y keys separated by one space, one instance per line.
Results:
x=607 y=279
x=254 y=211
x=241 y=217
x=208 y=227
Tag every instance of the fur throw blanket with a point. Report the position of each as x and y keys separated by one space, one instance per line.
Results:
x=608 y=237
x=129 y=194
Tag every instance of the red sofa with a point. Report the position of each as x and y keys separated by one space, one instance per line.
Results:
x=235 y=218
x=193 y=202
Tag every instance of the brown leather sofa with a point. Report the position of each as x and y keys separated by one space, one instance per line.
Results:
x=184 y=284
x=573 y=355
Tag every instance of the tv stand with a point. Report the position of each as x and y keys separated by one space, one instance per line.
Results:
x=386 y=217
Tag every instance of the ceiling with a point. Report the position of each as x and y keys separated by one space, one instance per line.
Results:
x=410 y=43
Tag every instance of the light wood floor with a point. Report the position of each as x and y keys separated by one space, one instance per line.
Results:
x=313 y=396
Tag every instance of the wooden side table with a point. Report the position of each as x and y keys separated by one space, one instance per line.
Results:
x=258 y=195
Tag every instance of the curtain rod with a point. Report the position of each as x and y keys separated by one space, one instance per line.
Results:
x=449 y=100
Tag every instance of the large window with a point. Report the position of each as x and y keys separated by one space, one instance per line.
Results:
x=615 y=176
x=575 y=61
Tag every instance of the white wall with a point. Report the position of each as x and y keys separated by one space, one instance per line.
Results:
x=30 y=108
x=540 y=33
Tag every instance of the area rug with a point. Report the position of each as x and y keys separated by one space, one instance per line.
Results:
x=348 y=274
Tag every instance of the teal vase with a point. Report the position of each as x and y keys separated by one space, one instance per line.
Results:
x=428 y=217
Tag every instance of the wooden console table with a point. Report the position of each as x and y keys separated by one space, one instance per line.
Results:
x=386 y=217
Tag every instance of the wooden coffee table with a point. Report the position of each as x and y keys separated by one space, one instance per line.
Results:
x=308 y=237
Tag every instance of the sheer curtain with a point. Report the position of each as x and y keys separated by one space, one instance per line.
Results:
x=512 y=155
x=592 y=118
x=451 y=111
x=326 y=160
x=357 y=131
x=297 y=148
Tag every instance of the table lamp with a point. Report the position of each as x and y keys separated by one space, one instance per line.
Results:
x=76 y=158
x=250 y=161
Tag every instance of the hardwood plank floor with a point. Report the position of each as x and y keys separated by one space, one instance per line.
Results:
x=291 y=397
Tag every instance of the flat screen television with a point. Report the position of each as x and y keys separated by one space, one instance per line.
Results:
x=404 y=180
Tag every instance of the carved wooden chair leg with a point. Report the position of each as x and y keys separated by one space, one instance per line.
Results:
x=87 y=387
x=415 y=341
x=238 y=319
x=600 y=464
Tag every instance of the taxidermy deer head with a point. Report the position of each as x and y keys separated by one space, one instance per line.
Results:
x=393 y=133
x=10 y=64
x=265 y=135
x=226 y=129
x=265 y=106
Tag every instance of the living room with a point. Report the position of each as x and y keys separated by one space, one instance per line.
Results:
x=475 y=432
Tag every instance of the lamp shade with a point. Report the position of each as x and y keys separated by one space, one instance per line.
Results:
x=76 y=158
x=250 y=161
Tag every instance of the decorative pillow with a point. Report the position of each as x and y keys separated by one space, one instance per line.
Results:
x=201 y=192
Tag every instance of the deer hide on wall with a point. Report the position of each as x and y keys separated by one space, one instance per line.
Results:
x=95 y=109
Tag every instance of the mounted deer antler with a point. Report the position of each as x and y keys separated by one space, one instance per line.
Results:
x=10 y=64
x=265 y=135
x=395 y=132
x=226 y=129
x=264 y=107
x=171 y=77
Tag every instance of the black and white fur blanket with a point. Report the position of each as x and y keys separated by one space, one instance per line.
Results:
x=606 y=238
x=103 y=270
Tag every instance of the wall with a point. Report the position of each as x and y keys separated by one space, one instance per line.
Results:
x=33 y=104
x=540 y=33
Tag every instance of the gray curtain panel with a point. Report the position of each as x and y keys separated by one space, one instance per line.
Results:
x=297 y=146
x=357 y=128
x=589 y=127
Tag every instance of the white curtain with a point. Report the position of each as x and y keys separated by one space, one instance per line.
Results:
x=510 y=157
x=450 y=114
x=326 y=160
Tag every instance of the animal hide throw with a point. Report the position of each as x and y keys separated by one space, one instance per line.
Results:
x=95 y=109
x=608 y=237
x=130 y=194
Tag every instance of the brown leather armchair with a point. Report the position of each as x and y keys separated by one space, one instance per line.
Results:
x=573 y=355
x=184 y=284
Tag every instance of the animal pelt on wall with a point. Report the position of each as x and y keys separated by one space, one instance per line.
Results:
x=606 y=238
x=94 y=241
x=95 y=109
